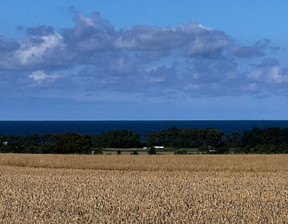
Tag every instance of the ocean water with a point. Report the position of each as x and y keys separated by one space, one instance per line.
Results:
x=142 y=127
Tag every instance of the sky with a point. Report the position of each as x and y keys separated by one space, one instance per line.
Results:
x=143 y=60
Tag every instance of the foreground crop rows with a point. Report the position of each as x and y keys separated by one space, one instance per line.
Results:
x=43 y=195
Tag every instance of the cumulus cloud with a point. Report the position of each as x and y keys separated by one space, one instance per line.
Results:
x=269 y=71
x=257 y=50
x=33 y=50
x=186 y=59
x=95 y=36
x=191 y=38
x=7 y=45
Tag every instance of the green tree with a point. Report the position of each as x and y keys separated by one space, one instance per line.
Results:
x=73 y=143
x=151 y=150
x=117 y=139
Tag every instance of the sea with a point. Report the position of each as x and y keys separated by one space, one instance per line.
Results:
x=141 y=127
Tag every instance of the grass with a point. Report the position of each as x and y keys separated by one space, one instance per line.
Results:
x=143 y=189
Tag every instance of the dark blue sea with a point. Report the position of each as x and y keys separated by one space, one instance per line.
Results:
x=141 y=127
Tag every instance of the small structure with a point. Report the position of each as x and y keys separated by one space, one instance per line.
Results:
x=155 y=147
x=159 y=147
x=211 y=150
x=5 y=143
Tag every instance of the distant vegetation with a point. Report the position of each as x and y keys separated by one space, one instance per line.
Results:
x=177 y=140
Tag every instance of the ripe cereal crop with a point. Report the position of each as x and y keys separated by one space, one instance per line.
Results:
x=143 y=189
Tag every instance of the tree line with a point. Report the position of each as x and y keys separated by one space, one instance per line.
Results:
x=269 y=140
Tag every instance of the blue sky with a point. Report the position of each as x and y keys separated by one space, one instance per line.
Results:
x=143 y=60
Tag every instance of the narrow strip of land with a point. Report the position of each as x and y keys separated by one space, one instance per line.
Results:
x=257 y=163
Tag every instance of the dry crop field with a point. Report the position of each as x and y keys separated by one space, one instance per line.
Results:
x=143 y=189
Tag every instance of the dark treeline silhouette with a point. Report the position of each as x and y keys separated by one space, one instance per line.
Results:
x=117 y=139
x=186 y=138
x=269 y=140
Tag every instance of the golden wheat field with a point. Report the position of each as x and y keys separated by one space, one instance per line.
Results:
x=143 y=189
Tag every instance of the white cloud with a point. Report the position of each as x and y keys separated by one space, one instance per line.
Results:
x=184 y=59
x=155 y=79
x=252 y=87
x=31 y=53
x=192 y=87
x=40 y=76
x=205 y=27
x=272 y=75
x=255 y=75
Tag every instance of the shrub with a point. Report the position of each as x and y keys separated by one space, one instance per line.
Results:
x=151 y=151
x=98 y=151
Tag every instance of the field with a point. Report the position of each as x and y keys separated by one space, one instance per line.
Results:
x=143 y=189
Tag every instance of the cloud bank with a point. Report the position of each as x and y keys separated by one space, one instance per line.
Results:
x=94 y=62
